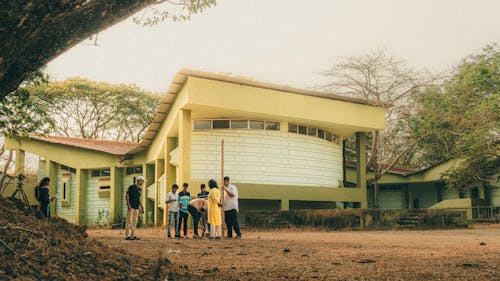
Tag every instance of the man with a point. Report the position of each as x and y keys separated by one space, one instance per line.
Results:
x=184 y=198
x=172 y=199
x=198 y=209
x=231 y=208
x=133 y=203
x=203 y=192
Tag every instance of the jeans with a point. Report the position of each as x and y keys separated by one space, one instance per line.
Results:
x=196 y=218
x=231 y=218
x=173 y=216
x=183 y=221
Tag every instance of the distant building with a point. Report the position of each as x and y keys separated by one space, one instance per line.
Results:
x=283 y=149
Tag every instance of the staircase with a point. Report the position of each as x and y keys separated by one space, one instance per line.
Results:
x=412 y=219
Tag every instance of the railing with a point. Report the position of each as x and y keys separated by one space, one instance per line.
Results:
x=485 y=212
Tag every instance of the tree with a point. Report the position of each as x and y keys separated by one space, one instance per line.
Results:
x=20 y=115
x=34 y=32
x=386 y=82
x=465 y=116
x=96 y=110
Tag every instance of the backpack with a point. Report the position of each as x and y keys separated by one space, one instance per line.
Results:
x=37 y=193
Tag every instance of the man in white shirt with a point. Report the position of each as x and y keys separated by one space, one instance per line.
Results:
x=231 y=208
x=172 y=199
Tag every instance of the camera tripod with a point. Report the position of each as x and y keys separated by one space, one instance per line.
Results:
x=21 y=194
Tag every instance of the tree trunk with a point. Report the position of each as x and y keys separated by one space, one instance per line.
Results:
x=32 y=33
x=4 y=175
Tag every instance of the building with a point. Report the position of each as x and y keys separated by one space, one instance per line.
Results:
x=283 y=149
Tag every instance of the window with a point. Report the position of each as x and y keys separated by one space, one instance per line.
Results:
x=239 y=124
x=321 y=134
x=202 y=124
x=64 y=192
x=220 y=124
x=101 y=173
x=134 y=170
x=259 y=125
x=328 y=136
x=66 y=168
x=303 y=130
x=292 y=128
x=104 y=187
x=273 y=126
x=311 y=131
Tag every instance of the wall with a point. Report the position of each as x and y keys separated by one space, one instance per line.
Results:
x=391 y=199
x=495 y=196
x=266 y=157
x=66 y=209
x=93 y=202
x=427 y=194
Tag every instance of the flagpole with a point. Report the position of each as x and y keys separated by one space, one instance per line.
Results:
x=222 y=185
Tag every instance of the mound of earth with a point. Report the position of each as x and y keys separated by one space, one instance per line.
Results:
x=33 y=249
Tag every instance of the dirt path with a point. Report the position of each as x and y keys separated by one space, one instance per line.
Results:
x=346 y=255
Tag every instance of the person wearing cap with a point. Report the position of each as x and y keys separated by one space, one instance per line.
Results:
x=214 y=215
x=184 y=198
x=172 y=199
x=198 y=210
x=231 y=208
x=133 y=198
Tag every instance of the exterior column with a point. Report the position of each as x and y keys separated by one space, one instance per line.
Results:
x=184 y=139
x=51 y=172
x=148 y=173
x=361 y=166
x=285 y=205
x=115 y=197
x=20 y=161
x=80 y=198
x=159 y=169
x=170 y=173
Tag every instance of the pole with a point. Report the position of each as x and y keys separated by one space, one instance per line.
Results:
x=222 y=185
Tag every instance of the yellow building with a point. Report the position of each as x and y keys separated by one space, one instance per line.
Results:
x=282 y=149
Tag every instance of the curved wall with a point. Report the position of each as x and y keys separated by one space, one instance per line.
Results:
x=266 y=157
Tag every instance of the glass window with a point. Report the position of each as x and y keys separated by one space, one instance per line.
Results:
x=328 y=136
x=64 y=191
x=321 y=134
x=239 y=124
x=335 y=139
x=134 y=170
x=302 y=130
x=257 y=125
x=202 y=124
x=272 y=126
x=96 y=173
x=292 y=128
x=221 y=124
x=106 y=173
x=311 y=131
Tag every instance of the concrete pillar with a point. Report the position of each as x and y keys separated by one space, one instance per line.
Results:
x=285 y=205
x=51 y=172
x=361 y=166
x=184 y=142
x=115 y=198
x=80 y=195
x=20 y=161
x=148 y=173
x=159 y=169
x=170 y=173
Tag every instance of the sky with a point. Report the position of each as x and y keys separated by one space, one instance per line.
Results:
x=284 y=41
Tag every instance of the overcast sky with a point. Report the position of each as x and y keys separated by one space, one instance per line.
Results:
x=284 y=41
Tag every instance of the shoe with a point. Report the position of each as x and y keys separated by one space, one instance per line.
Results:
x=168 y=236
x=135 y=238
x=128 y=238
x=177 y=236
x=238 y=236
x=210 y=238
x=217 y=238
x=196 y=236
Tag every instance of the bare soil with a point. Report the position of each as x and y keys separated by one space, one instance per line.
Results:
x=459 y=254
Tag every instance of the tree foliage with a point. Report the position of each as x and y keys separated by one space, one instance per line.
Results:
x=464 y=115
x=32 y=33
x=96 y=110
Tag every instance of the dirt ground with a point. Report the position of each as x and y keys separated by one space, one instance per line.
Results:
x=460 y=254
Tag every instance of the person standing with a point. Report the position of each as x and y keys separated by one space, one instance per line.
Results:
x=184 y=198
x=133 y=198
x=42 y=195
x=172 y=199
x=231 y=208
x=214 y=215
x=203 y=192
x=197 y=207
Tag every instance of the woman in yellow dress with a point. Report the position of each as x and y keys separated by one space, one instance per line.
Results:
x=214 y=214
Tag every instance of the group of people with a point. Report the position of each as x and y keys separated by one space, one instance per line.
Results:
x=205 y=209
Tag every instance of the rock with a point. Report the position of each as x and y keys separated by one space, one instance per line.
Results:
x=212 y=270
x=482 y=244
x=286 y=250
x=366 y=261
x=87 y=254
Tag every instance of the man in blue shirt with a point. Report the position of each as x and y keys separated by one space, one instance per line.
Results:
x=184 y=198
